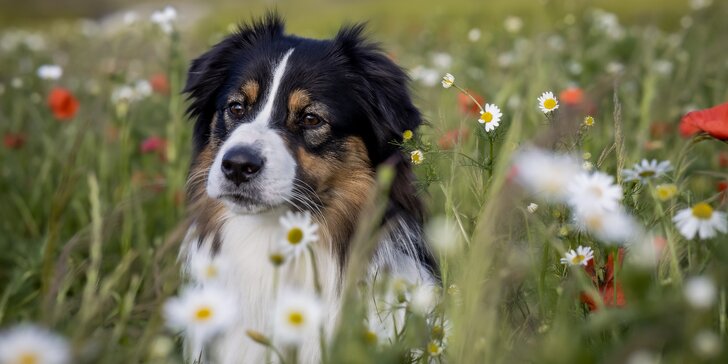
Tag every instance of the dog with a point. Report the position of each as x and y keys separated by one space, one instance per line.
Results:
x=287 y=123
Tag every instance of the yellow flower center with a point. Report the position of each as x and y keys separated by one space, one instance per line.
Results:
x=597 y=191
x=594 y=222
x=433 y=349
x=416 y=158
x=203 y=313
x=370 y=337
x=295 y=235
x=702 y=211
x=589 y=121
x=407 y=135
x=577 y=259
x=438 y=332
x=486 y=117
x=28 y=358
x=295 y=318
x=277 y=258
x=549 y=104
x=647 y=173
x=211 y=271
x=666 y=192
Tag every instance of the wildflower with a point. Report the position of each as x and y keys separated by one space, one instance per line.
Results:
x=700 y=220
x=153 y=144
x=713 y=121
x=443 y=235
x=700 y=292
x=376 y=331
x=545 y=174
x=589 y=121
x=587 y=166
x=490 y=116
x=707 y=344
x=201 y=313
x=299 y=231
x=434 y=349
x=427 y=76
x=442 y=60
x=30 y=344
x=206 y=267
x=532 y=207
x=608 y=226
x=614 y=68
x=513 y=24
x=423 y=299
x=452 y=137
x=448 y=80
x=297 y=316
x=278 y=255
x=474 y=34
x=62 y=103
x=165 y=18
x=644 y=171
x=417 y=156
x=440 y=329
x=700 y=4
x=666 y=191
x=50 y=72
x=129 y=18
x=660 y=129
x=407 y=134
x=589 y=191
x=547 y=102
x=142 y=88
x=14 y=140
x=663 y=67
x=159 y=83
x=16 y=82
x=609 y=290
x=581 y=256
x=572 y=96
x=467 y=106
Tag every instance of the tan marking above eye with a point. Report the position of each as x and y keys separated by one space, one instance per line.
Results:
x=298 y=100
x=250 y=89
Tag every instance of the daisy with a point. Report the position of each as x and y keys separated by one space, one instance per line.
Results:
x=532 y=207
x=440 y=329
x=434 y=349
x=201 y=313
x=547 y=102
x=700 y=292
x=490 y=116
x=544 y=173
x=206 y=267
x=666 y=191
x=50 y=72
x=165 y=18
x=596 y=190
x=646 y=170
x=581 y=256
x=607 y=226
x=407 y=134
x=376 y=331
x=589 y=121
x=423 y=299
x=448 y=80
x=27 y=343
x=297 y=316
x=298 y=231
x=700 y=220
x=417 y=156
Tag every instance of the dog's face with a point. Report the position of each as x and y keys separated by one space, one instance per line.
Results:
x=287 y=120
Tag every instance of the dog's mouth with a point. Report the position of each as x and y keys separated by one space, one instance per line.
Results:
x=246 y=203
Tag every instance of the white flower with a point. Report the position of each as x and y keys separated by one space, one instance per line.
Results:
x=643 y=357
x=490 y=116
x=700 y=220
x=130 y=17
x=297 y=316
x=123 y=94
x=206 y=267
x=544 y=173
x=427 y=76
x=423 y=299
x=646 y=170
x=608 y=226
x=590 y=191
x=165 y=18
x=28 y=343
x=201 y=313
x=615 y=67
x=547 y=102
x=700 y=292
x=16 y=82
x=50 y=72
x=700 y=4
x=663 y=67
x=474 y=35
x=417 y=156
x=448 y=80
x=142 y=88
x=581 y=256
x=532 y=207
x=513 y=24
x=434 y=349
x=377 y=330
x=442 y=60
x=443 y=235
x=707 y=344
x=299 y=231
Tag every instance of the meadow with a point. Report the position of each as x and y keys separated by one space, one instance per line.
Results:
x=96 y=149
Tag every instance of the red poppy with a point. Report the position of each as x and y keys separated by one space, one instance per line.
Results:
x=713 y=121
x=154 y=144
x=722 y=186
x=611 y=293
x=572 y=96
x=159 y=83
x=466 y=104
x=448 y=140
x=62 y=103
x=723 y=159
x=14 y=140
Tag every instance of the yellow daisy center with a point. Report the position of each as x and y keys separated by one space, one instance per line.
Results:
x=578 y=259
x=277 y=258
x=203 y=313
x=28 y=358
x=211 y=271
x=702 y=211
x=666 y=192
x=416 y=158
x=407 y=135
x=589 y=121
x=486 y=117
x=437 y=332
x=549 y=103
x=647 y=173
x=370 y=337
x=295 y=318
x=594 y=222
x=433 y=349
x=597 y=191
x=295 y=235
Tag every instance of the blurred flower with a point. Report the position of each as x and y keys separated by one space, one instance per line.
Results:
x=427 y=76
x=575 y=68
x=587 y=166
x=572 y=96
x=707 y=344
x=50 y=72
x=713 y=121
x=165 y=18
x=16 y=82
x=646 y=171
x=665 y=191
x=423 y=299
x=130 y=17
x=153 y=144
x=643 y=357
x=700 y=4
x=609 y=289
x=646 y=252
x=614 y=67
x=467 y=106
x=417 y=156
x=474 y=35
x=608 y=24
x=452 y=137
x=207 y=267
x=723 y=159
x=448 y=80
x=161 y=347
x=434 y=349
x=14 y=140
x=442 y=60
x=490 y=116
x=297 y=315
x=159 y=83
x=545 y=174
x=547 y=102
x=608 y=226
x=201 y=313
x=299 y=231
x=143 y=88
x=278 y=253
x=532 y=207
x=581 y=256
x=407 y=135
x=30 y=344
x=663 y=67
x=376 y=332
x=513 y=24
x=700 y=292
x=62 y=103
x=700 y=220
x=443 y=235
x=594 y=191
x=660 y=129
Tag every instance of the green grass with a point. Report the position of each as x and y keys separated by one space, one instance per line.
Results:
x=90 y=225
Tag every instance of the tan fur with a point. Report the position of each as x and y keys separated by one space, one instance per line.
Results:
x=205 y=213
x=250 y=89
x=298 y=100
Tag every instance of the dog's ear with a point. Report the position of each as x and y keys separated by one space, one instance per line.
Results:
x=209 y=72
x=382 y=86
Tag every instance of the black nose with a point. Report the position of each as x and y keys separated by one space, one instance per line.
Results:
x=241 y=164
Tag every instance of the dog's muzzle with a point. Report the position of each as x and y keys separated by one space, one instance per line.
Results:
x=241 y=164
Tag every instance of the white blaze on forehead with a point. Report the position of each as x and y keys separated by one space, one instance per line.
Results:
x=267 y=110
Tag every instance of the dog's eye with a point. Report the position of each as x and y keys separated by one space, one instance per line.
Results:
x=310 y=120
x=236 y=109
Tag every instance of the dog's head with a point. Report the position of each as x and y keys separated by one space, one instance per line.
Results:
x=287 y=120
